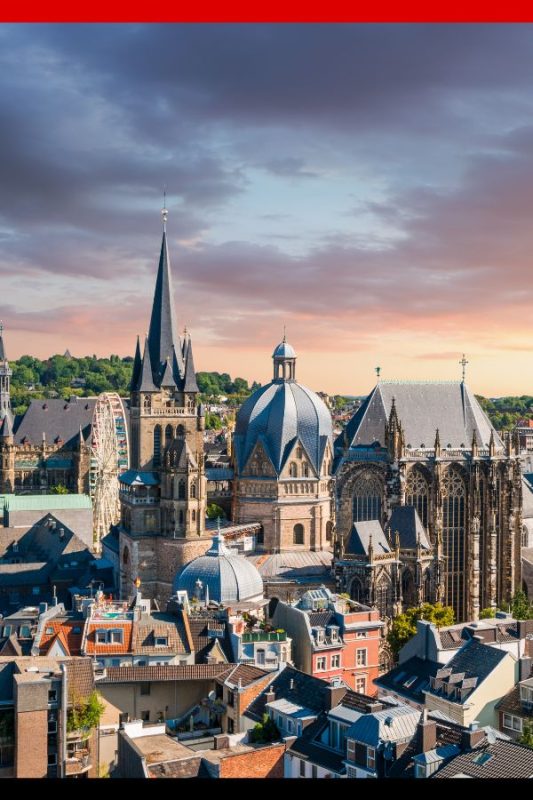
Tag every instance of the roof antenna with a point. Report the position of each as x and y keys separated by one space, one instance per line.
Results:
x=164 y=210
x=463 y=362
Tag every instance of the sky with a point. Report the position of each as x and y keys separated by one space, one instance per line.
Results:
x=370 y=187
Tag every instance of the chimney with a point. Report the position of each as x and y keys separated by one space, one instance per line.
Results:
x=270 y=696
x=333 y=696
x=524 y=668
x=426 y=733
x=221 y=741
x=471 y=736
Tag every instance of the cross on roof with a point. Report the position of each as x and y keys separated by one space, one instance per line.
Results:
x=463 y=363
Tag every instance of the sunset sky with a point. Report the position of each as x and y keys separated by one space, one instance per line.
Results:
x=369 y=187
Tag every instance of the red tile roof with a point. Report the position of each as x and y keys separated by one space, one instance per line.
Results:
x=166 y=672
x=68 y=637
x=92 y=647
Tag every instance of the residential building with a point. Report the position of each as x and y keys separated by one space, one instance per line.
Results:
x=333 y=638
x=515 y=709
x=378 y=739
x=36 y=697
x=236 y=689
x=492 y=760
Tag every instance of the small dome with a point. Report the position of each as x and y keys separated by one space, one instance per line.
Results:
x=228 y=577
x=284 y=350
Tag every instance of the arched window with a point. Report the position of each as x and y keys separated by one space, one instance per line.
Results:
x=157 y=446
x=180 y=430
x=125 y=556
x=428 y=595
x=408 y=588
x=416 y=494
x=329 y=530
x=305 y=470
x=298 y=534
x=367 y=498
x=356 y=590
x=193 y=489
x=181 y=517
x=181 y=489
x=194 y=515
x=293 y=470
x=383 y=599
x=168 y=435
x=453 y=539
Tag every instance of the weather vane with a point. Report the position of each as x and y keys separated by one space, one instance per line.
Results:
x=164 y=210
x=284 y=333
x=378 y=371
x=463 y=362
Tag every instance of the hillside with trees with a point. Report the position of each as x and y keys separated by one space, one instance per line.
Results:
x=64 y=376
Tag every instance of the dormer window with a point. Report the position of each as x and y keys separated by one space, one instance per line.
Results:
x=320 y=635
x=116 y=636
x=101 y=637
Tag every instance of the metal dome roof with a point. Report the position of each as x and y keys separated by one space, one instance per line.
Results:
x=229 y=577
x=284 y=350
x=280 y=414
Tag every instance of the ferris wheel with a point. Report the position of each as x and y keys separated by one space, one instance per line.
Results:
x=109 y=458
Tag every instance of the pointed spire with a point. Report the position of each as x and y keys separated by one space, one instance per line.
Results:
x=162 y=335
x=436 y=445
x=474 y=443
x=3 y=356
x=492 y=445
x=82 y=437
x=147 y=380
x=167 y=379
x=6 y=426
x=189 y=380
x=137 y=367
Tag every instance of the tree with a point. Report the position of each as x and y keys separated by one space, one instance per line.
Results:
x=521 y=608
x=404 y=625
x=526 y=737
x=85 y=715
x=59 y=489
x=265 y=731
x=487 y=613
x=214 y=511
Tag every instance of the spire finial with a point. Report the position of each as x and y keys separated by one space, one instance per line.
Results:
x=1 y=326
x=463 y=362
x=284 y=333
x=164 y=210
x=378 y=372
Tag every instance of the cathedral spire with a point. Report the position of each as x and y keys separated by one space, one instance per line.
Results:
x=146 y=383
x=189 y=381
x=162 y=335
x=6 y=416
x=137 y=367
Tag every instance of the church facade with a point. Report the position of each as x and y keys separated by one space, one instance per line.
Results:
x=428 y=447
x=163 y=494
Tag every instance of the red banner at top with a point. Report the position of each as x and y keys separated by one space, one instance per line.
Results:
x=273 y=11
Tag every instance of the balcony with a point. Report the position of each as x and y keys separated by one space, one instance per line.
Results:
x=264 y=636
x=78 y=762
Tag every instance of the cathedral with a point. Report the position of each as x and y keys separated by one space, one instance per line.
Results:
x=429 y=501
x=163 y=494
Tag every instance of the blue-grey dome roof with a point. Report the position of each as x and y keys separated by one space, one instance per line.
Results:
x=284 y=350
x=279 y=414
x=229 y=577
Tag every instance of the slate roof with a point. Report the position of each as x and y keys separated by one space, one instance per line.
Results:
x=203 y=642
x=499 y=760
x=166 y=672
x=298 y=566
x=469 y=667
x=359 y=539
x=56 y=417
x=184 y=768
x=80 y=678
x=511 y=704
x=410 y=678
x=308 y=748
x=406 y=522
x=278 y=415
x=307 y=691
x=422 y=407
x=319 y=619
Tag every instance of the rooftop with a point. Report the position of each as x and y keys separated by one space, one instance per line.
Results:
x=498 y=760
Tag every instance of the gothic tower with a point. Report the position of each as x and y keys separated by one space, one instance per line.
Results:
x=163 y=495
x=7 y=451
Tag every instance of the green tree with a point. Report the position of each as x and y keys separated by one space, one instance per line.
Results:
x=59 y=489
x=265 y=731
x=85 y=715
x=403 y=626
x=526 y=737
x=521 y=608
x=487 y=613
x=213 y=422
x=213 y=511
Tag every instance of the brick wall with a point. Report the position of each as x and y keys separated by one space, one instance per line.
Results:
x=31 y=751
x=264 y=762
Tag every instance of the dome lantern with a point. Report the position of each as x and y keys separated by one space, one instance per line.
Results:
x=284 y=359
